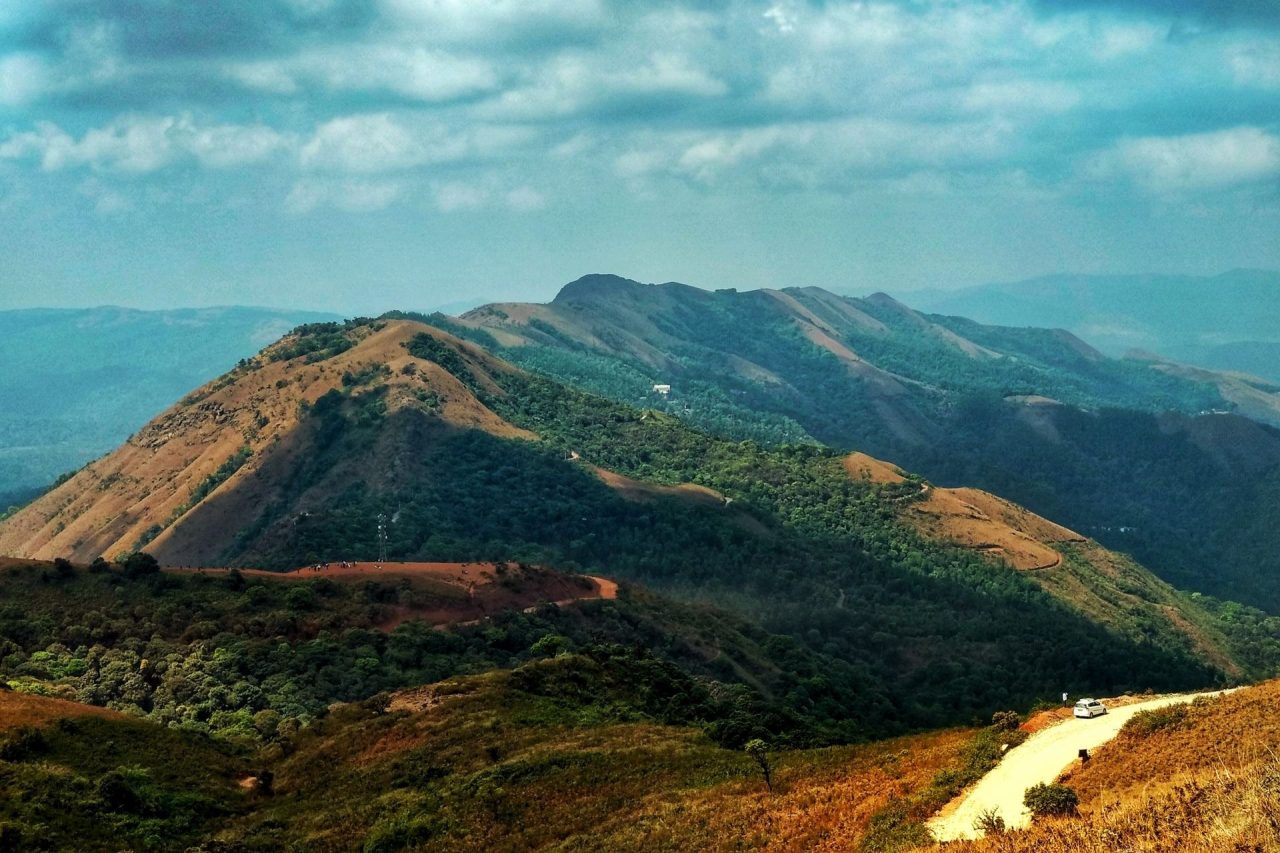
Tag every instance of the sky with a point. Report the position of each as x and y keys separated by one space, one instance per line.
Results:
x=361 y=155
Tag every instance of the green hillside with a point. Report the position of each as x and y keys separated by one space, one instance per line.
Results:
x=1118 y=450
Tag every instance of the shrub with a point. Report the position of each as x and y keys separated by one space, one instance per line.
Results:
x=989 y=822
x=1050 y=800
x=1006 y=720
x=1145 y=723
x=20 y=743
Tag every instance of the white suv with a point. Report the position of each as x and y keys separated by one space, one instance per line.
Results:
x=1089 y=708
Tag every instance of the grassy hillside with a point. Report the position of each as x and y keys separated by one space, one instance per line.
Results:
x=555 y=755
x=1200 y=778
x=78 y=778
x=1117 y=450
x=466 y=458
x=119 y=364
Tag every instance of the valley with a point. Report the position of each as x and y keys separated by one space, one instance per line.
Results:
x=602 y=591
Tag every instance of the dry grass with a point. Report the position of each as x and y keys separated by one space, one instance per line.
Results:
x=824 y=800
x=1205 y=781
x=21 y=709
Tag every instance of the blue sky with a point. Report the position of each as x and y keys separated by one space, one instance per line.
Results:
x=358 y=155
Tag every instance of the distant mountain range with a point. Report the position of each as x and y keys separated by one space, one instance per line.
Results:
x=1149 y=457
x=1224 y=322
x=76 y=382
x=307 y=452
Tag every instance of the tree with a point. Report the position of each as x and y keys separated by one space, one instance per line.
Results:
x=989 y=822
x=140 y=564
x=1050 y=800
x=759 y=750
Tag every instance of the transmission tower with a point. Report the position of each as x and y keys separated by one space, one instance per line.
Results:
x=382 y=538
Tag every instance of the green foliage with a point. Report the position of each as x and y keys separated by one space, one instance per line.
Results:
x=317 y=341
x=1147 y=723
x=365 y=375
x=759 y=752
x=103 y=785
x=1051 y=800
x=1112 y=463
x=431 y=348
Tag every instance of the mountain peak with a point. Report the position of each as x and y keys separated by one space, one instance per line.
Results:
x=596 y=286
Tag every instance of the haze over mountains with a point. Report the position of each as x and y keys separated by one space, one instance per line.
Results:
x=1223 y=322
x=76 y=382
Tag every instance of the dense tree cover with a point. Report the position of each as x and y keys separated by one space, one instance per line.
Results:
x=253 y=660
x=1109 y=464
x=802 y=548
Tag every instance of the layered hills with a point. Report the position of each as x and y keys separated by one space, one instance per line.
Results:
x=926 y=605
x=1222 y=322
x=1165 y=462
x=77 y=381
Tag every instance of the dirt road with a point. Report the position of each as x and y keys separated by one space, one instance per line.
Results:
x=1041 y=758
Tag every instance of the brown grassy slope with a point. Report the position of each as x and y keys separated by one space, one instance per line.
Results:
x=484 y=766
x=145 y=484
x=442 y=594
x=21 y=709
x=1107 y=587
x=1206 y=781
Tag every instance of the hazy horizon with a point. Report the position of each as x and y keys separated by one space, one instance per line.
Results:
x=358 y=155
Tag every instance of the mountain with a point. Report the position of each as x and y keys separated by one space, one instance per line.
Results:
x=1148 y=457
x=345 y=439
x=1223 y=322
x=77 y=382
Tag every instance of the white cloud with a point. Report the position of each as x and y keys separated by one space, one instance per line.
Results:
x=143 y=144
x=412 y=72
x=497 y=21
x=23 y=77
x=351 y=196
x=456 y=196
x=1200 y=161
x=1256 y=63
x=378 y=143
x=525 y=200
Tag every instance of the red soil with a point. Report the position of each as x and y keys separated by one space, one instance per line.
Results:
x=451 y=594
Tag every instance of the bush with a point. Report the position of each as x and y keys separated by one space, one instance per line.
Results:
x=20 y=743
x=1006 y=720
x=140 y=564
x=1146 y=723
x=1050 y=800
x=989 y=822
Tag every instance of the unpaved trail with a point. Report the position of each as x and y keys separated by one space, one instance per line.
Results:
x=1041 y=758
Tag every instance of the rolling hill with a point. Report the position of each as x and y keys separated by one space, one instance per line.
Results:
x=1224 y=322
x=303 y=453
x=1147 y=457
x=77 y=382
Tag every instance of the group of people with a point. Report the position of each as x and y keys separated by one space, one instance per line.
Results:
x=344 y=564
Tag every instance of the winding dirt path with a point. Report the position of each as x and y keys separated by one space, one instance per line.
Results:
x=1041 y=758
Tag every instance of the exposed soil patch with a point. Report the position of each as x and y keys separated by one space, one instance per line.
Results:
x=448 y=594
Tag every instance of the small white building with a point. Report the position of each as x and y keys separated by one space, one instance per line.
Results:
x=664 y=390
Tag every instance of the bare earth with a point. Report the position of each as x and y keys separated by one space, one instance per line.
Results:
x=1041 y=758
